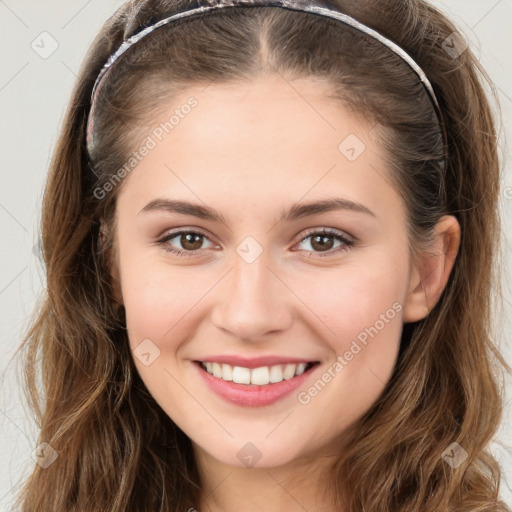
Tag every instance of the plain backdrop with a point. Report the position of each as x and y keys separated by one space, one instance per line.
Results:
x=42 y=46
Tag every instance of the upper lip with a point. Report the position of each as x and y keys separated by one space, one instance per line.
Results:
x=254 y=362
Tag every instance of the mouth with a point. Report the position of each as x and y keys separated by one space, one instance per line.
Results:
x=254 y=377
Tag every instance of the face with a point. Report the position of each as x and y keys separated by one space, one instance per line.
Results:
x=221 y=260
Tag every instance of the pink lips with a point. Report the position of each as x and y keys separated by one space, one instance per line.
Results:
x=250 y=395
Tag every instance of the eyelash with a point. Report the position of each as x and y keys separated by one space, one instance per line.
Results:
x=347 y=243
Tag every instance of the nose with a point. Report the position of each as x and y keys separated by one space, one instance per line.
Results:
x=253 y=301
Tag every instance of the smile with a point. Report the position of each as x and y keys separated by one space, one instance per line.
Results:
x=257 y=376
x=255 y=387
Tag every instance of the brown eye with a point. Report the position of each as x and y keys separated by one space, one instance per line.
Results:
x=323 y=242
x=191 y=241
x=183 y=242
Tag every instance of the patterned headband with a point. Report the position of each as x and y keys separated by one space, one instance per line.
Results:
x=205 y=6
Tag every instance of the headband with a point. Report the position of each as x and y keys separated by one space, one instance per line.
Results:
x=205 y=6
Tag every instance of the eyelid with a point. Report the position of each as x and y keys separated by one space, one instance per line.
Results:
x=187 y=229
x=329 y=232
x=169 y=235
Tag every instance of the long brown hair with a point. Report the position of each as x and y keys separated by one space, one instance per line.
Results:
x=118 y=450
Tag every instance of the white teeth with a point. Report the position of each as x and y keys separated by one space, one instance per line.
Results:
x=217 y=372
x=289 y=371
x=227 y=372
x=276 y=374
x=258 y=376
x=241 y=375
x=300 y=369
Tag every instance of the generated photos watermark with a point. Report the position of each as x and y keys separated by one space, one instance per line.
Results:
x=149 y=143
x=357 y=345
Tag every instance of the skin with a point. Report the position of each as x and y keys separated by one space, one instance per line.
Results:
x=251 y=151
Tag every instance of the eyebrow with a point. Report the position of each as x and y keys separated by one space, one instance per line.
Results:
x=297 y=211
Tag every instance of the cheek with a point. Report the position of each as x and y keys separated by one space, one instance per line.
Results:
x=361 y=321
x=360 y=316
x=349 y=299
x=157 y=299
x=160 y=306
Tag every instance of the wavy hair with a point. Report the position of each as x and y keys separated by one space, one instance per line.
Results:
x=119 y=452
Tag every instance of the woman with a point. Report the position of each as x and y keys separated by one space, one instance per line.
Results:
x=268 y=232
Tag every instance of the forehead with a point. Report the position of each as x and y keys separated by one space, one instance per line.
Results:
x=274 y=138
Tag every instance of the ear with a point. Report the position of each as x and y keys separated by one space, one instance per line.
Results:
x=111 y=258
x=431 y=271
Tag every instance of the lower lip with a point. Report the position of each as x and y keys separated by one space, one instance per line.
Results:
x=250 y=395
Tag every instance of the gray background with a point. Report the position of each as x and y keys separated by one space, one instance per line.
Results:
x=34 y=90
